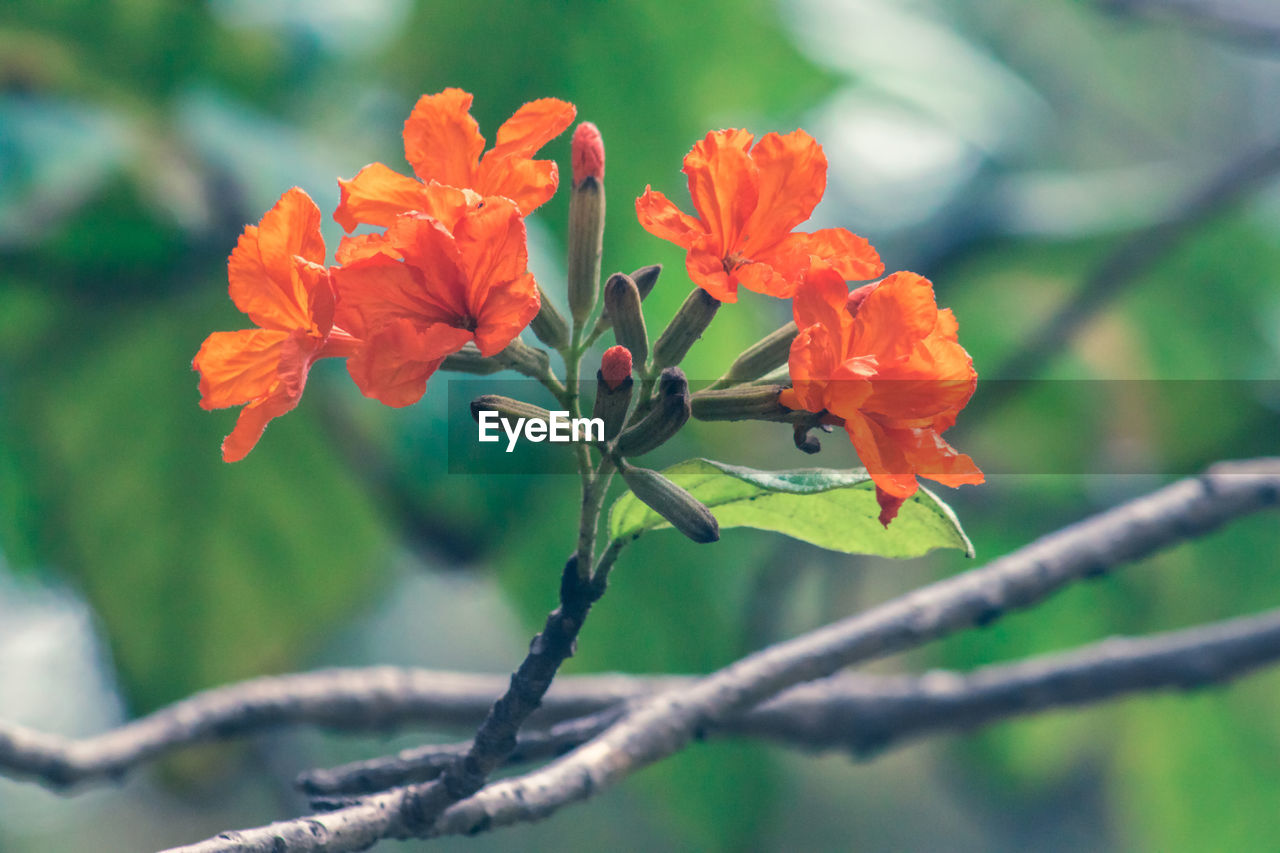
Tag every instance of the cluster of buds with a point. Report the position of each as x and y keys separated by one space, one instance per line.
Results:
x=442 y=282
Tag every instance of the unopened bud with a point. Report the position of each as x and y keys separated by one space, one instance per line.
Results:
x=615 y=366
x=766 y=354
x=586 y=222
x=685 y=328
x=469 y=360
x=745 y=403
x=507 y=408
x=682 y=510
x=645 y=278
x=622 y=301
x=613 y=390
x=525 y=359
x=587 y=153
x=549 y=324
x=669 y=413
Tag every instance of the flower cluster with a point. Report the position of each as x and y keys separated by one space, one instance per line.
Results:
x=449 y=267
x=882 y=360
x=443 y=264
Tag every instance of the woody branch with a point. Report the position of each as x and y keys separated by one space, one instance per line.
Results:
x=659 y=726
x=856 y=711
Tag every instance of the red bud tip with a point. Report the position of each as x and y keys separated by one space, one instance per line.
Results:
x=615 y=366
x=588 y=153
x=889 y=506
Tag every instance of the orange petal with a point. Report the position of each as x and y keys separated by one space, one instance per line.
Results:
x=793 y=177
x=533 y=126
x=508 y=307
x=706 y=269
x=236 y=367
x=378 y=290
x=812 y=360
x=394 y=366
x=763 y=278
x=724 y=184
x=429 y=247
x=848 y=254
x=930 y=456
x=528 y=183
x=376 y=196
x=882 y=457
x=889 y=505
x=660 y=217
x=252 y=422
x=491 y=245
x=442 y=141
x=821 y=298
x=358 y=246
x=895 y=317
x=263 y=275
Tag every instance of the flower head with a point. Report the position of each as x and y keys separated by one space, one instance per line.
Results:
x=428 y=287
x=277 y=277
x=748 y=201
x=886 y=362
x=442 y=143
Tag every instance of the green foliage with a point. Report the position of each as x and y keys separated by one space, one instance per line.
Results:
x=836 y=510
x=200 y=572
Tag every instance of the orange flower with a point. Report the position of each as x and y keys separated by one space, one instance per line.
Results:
x=428 y=289
x=277 y=277
x=885 y=362
x=749 y=200
x=442 y=143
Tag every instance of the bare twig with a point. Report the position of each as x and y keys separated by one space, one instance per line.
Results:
x=854 y=710
x=867 y=713
x=1253 y=25
x=664 y=724
x=1134 y=257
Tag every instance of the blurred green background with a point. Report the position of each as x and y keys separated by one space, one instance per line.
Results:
x=1001 y=148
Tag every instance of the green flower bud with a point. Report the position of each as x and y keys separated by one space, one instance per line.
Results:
x=622 y=301
x=686 y=327
x=684 y=512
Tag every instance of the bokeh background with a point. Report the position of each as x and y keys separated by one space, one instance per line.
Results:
x=1004 y=149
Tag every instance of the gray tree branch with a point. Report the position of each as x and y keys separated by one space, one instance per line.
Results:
x=865 y=714
x=659 y=726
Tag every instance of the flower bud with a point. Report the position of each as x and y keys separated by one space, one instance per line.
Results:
x=645 y=278
x=686 y=327
x=507 y=408
x=549 y=325
x=682 y=510
x=766 y=354
x=586 y=221
x=615 y=366
x=469 y=360
x=622 y=301
x=664 y=420
x=613 y=390
x=587 y=153
x=748 y=402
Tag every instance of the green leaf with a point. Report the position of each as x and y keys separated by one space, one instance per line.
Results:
x=832 y=509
